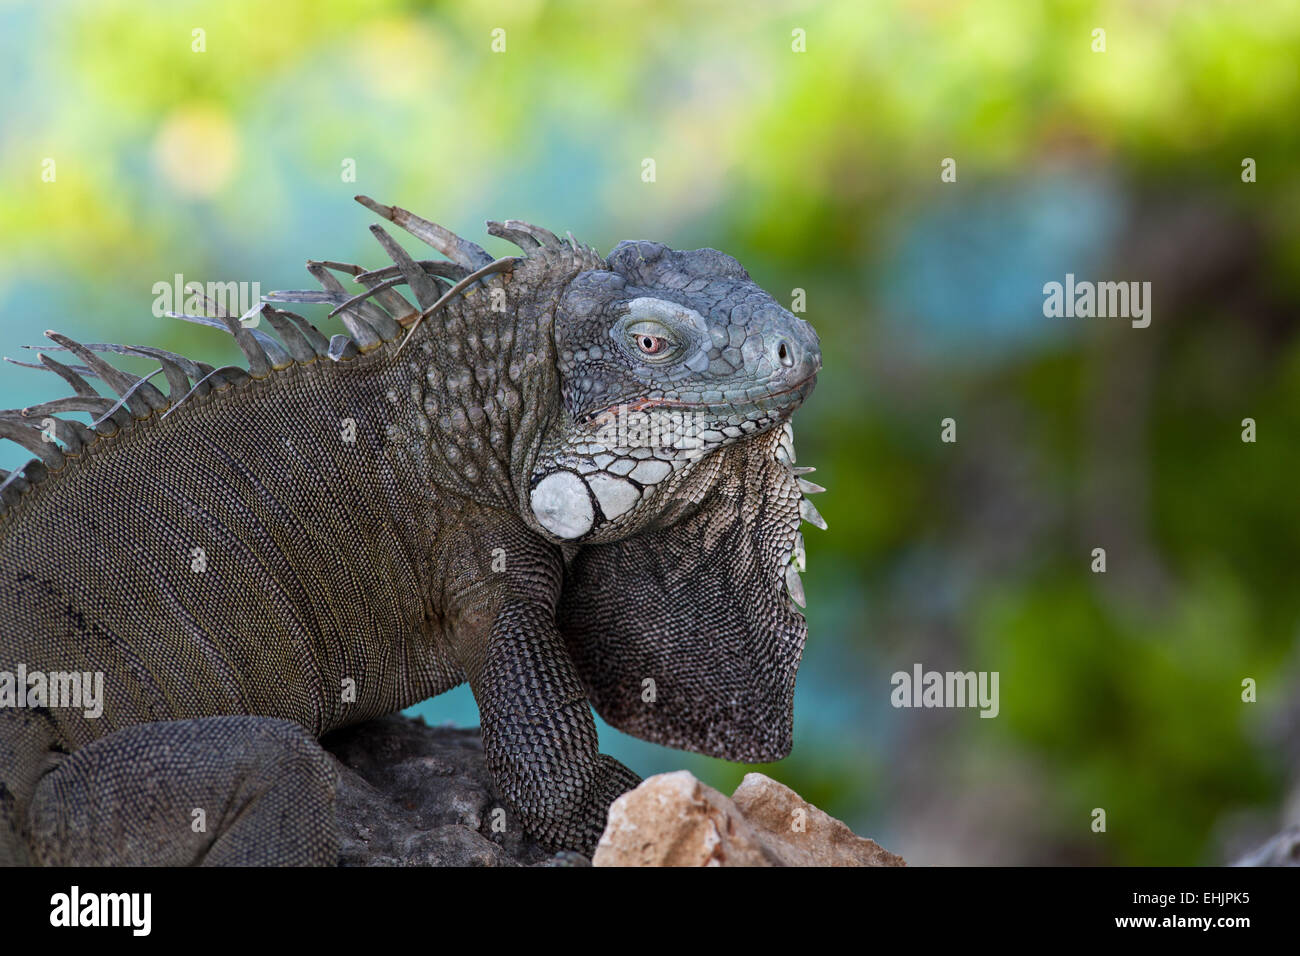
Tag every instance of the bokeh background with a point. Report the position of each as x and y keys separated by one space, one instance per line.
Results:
x=819 y=170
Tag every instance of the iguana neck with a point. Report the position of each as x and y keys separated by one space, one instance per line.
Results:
x=481 y=390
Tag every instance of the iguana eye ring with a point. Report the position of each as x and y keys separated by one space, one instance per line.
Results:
x=649 y=340
x=651 y=344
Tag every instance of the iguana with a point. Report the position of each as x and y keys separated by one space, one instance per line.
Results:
x=566 y=479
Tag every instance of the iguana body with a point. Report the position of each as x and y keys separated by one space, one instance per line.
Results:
x=349 y=527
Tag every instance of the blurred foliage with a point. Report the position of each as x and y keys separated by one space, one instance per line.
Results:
x=818 y=170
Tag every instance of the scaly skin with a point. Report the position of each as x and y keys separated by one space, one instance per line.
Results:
x=565 y=479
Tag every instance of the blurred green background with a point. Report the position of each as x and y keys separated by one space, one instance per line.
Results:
x=819 y=170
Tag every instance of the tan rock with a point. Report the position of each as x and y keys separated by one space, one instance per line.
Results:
x=801 y=834
x=673 y=819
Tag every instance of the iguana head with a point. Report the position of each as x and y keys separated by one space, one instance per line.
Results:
x=663 y=357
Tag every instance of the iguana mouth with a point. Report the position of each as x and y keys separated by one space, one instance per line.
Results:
x=804 y=386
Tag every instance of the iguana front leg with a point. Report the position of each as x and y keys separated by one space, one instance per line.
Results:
x=539 y=736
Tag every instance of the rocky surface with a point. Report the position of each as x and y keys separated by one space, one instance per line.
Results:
x=413 y=795
x=673 y=819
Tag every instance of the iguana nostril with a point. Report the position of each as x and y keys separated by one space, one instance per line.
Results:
x=785 y=353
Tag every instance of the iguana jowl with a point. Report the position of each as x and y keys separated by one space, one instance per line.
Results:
x=566 y=479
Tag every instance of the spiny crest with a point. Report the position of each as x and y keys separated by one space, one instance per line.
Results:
x=796 y=560
x=377 y=315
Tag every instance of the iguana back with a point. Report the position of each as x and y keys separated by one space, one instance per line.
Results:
x=218 y=562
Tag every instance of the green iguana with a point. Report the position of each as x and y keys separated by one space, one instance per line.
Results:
x=568 y=480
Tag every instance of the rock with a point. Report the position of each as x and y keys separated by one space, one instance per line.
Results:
x=673 y=819
x=413 y=795
x=820 y=840
x=1281 y=850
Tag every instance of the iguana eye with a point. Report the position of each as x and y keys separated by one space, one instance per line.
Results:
x=651 y=344
x=652 y=340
